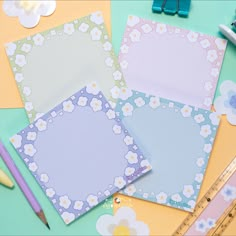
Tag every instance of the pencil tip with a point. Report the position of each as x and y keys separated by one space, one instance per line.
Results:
x=48 y=225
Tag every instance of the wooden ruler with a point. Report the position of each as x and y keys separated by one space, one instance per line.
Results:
x=207 y=198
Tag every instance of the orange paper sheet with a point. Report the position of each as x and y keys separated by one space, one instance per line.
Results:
x=9 y=95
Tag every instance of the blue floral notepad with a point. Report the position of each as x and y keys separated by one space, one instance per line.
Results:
x=177 y=140
x=80 y=153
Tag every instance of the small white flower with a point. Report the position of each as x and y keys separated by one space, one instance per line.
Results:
x=215 y=118
x=228 y=192
x=69 y=28
x=92 y=88
x=20 y=60
x=31 y=136
x=211 y=223
x=68 y=217
x=125 y=93
x=111 y=114
x=112 y=104
x=186 y=111
x=83 y=27
x=145 y=195
x=53 y=32
x=16 y=140
x=38 y=40
x=119 y=182
x=19 y=77
x=33 y=167
x=176 y=198
x=192 y=204
x=154 y=102
x=212 y=55
x=115 y=92
x=132 y=157
x=200 y=162
x=109 y=62
x=221 y=43
x=117 y=75
x=207 y=148
x=124 y=64
x=97 y=18
x=215 y=72
x=188 y=191
x=205 y=43
x=44 y=178
x=107 y=193
x=199 y=118
x=208 y=101
x=116 y=129
x=129 y=171
x=96 y=34
x=82 y=101
x=192 y=36
x=145 y=163
x=161 y=197
x=177 y=30
x=29 y=106
x=161 y=28
x=78 y=205
x=208 y=86
x=132 y=21
x=29 y=150
x=201 y=226
x=107 y=46
x=27 y=91
x=139 y=102
x=26 y=47
x=124 y=49
x=130 y=190
x=199 y=177
x=146 y=28
x=68 y=106
x=127 y=109
x=92 y=200
x=50 y=192
x=205 y=131
x=96 y=104
x=10 y=49
x=128 y=140
x=41 y=125
x=64 y=202
x=135 y=35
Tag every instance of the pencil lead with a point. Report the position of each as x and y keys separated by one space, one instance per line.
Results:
x=48 y=226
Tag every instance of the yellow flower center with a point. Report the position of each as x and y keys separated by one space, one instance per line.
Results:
x=121 y=231
x=29 y=5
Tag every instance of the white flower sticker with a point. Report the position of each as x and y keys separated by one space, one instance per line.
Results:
x=29 y=106
x=130 y=190
x=199 y=118
x=97 y=18
x=132 y=157
x=96 y=104
x=96 y=34
x=33 y=167
x=221 y=43
x=109 y=62
x=119 y=182
x=10 y=49
x=188 y=191
x=110 y=114
x=124 y=64
x=127 y=109
x=78 y=205
x=65 y=202
x=117 y=129
x=128 y=140
x=68 y=217
x=199 y=177
x=29 y=150
x=154 y=102
x=26 y=91
x=207 y=148
x=107 y=46
x=115 y=92
x=117 y=75
x=38 y=40
x=124 y=49
x=176 y=197
x=192 y=204
x=186 y=111
x=82 y=101
x=145 y=163
x=69 y=28
x=146 y=28
x=20 y=60
x=212 y=55
x=83 y=27
x=44 y=178
x=205 y=131
x=41 y=125
x=161 y=197
x=31 y=136
x=19 y=77
x=132 y=21
x=16 y=140
x=135 y=35
x=129 y=171
x=192 y=36
x=161 y=28
x=139 y=102
x=68 y=106
x=215 y=118
x=200 y=162
x=92 y=200
x=92 y=88
x=50 y=192
x=26 y=47
x=205 y=43
x=125 y=93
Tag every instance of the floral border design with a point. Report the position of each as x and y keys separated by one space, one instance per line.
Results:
x=92 y=24
x=214 y=47
x=90 y=96
x=208 y=123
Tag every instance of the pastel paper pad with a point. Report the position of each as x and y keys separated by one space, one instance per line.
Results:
x=171 y=62
x=80 y=153
x=52 y=65
x=177 y=140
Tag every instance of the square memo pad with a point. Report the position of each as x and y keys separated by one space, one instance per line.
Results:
x=177 y=140
x=80 y=153
x=52 y=65
x=171 y=62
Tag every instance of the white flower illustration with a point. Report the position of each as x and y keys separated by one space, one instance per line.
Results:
x=161 y=28
x=65 y=202
x=115 y=92
x=27 y=91
x=97 y=18
x=110 y=114
x=92 y=88
x=192 y=204
x=124 y=49
x=26 y=47
x=215 y=118
x=92 y=200
x=132 y=157
x=68 y=106
x=208 y=101
x=135 y=35
x=208 y=86
x=19 y=77
x=78 y=205
x=207 y=148
x=96 y=34
x=116 y=129
x=38 y=40
x=50 y=192
x=127 y=109
x=109 y=62
x=215 y=72
x=228 y=192
x=176 y=197
x=107 y=193
x=29 y=106
x=96 y=104
x=124 y=64
x=188 y=191
x=83 y=27
x=212 y=55
x=130 y=190
x=199 y=118
x=132 y=21
x=146 y=28
x=33 y=167
x=107 y=46
x=128 y=140
x=20 y=60
x=29 y=12
x=205 y=131
x=68 y=217
x=44 y=178
x=161 y=197
x=10 y=49
x=145 y=163
x=82 y=101
x=226 y=102
x=129 y=171
x=154 y=102
x=122 y=223
x=139 y=102
x=117 y=75
x=119 y=182
x=125 y=93
x=201 y=226
x=112 y=104
x=200 y=162
x=186 y=111
x=41 y=125
x=16 y=140
x=211 y=223
x=205 y=43
x=69 y=28
x=199 y=177
x=221 y=43
x=192 y=36
x=29 y=150
x=31 y=136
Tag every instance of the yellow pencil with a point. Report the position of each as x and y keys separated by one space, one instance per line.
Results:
x=5 y=180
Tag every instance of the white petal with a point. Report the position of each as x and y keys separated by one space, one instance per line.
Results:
x=47 y=8
x=126 y=213
x=29 y=21
x=231 y=118
x=219 y=105
x=226 y=86
x=103 y=223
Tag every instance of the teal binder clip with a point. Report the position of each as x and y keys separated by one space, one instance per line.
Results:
x=172 y=7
